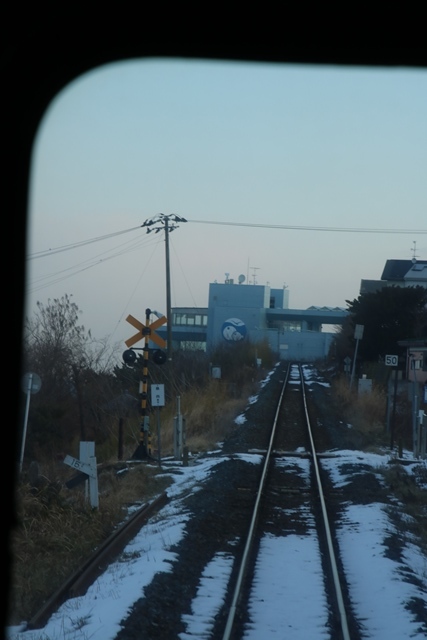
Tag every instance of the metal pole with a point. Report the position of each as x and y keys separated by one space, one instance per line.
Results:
x=354 y=363
x=415 y=412
x=158 y=436
x=27 y=409
x=393 y=415
x=178 y=431
x=168 y=292
x=423 y=429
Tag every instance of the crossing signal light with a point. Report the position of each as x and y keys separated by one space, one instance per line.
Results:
x=129 y=356
x=159 y=356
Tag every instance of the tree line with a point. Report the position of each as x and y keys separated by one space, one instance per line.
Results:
x=389 y=316
x=85 y=392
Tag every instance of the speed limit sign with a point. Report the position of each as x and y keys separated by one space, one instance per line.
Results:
x=391 y=361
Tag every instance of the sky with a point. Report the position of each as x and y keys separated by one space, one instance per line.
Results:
x=377 y=585
x=283 y=172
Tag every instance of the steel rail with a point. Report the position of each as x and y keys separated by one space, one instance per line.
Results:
x=78 y=583
x=331 y=552
x=249 y=540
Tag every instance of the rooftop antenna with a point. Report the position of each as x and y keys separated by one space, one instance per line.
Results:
x=414 y=251
x=254 y=270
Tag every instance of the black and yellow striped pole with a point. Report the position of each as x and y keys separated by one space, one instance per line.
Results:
x=147 y=333
x=143 y=450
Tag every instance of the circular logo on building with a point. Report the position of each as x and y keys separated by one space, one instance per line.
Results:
x=233 y=329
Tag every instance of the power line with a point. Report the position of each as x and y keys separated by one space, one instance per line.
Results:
x=57 y=276
x=66 y=273
x=302 y=228
x=76 y=245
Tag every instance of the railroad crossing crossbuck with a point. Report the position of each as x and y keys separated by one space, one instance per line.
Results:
x=146 y=332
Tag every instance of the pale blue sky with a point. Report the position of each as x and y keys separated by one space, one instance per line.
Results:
x=251 y=143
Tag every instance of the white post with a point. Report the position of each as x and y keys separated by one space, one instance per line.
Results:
x=87 y=456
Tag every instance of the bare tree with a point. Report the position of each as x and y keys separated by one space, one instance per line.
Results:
x=71 y=365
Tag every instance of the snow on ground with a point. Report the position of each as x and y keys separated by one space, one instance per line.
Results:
x=379 y=586
x=209 y=598
x=380 y=600
x=97 y=614
x=288 y=580
x=298 y=612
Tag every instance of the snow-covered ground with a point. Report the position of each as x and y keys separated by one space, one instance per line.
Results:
x=379 y=587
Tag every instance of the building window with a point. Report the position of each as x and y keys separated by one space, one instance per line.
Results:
x=190 y=319
x=192 y=345
x=292 y=326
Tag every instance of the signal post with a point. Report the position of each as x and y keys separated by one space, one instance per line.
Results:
x=146 y=332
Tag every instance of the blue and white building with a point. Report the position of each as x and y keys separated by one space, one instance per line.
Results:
x=239 y=311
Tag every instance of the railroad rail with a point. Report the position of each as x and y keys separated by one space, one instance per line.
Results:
x=290 y=435
x=79 y=581
x=244 y=570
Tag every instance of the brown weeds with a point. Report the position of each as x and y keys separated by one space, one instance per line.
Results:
x=366 y=412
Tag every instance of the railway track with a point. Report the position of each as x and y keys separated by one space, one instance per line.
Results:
x=269 y=511
x=291 y=432
x=79 y=581
x=278 y=490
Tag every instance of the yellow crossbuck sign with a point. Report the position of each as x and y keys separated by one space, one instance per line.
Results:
x=147 y=332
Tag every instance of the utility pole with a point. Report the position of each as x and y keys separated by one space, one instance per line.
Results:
x=168 y=292
x=168 y=223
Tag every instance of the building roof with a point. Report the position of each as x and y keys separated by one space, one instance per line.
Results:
x=372 y=286
x=327 y=308
x=399 y=269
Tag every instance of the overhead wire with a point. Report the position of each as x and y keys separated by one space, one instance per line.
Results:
x=75 y=245
x=135 y=287
x=308 y=228
x=183 y=274
x=52 y=278
x=133 y=245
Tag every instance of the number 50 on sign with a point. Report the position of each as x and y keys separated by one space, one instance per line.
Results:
x=391 y=361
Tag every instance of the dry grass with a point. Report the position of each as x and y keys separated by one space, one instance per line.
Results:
x=366 y=412
x=411 y=491
x=208 y=417
x=47 y=546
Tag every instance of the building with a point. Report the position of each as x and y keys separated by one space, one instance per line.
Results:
x=405 y=273
x=238 y=311
x=401 y=273
x=416 y=360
